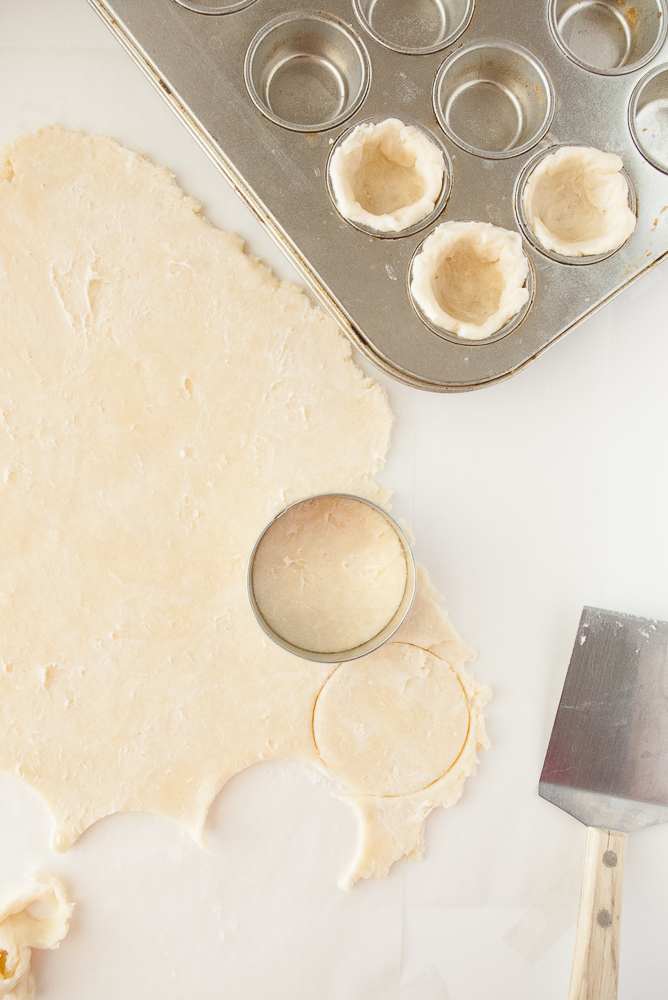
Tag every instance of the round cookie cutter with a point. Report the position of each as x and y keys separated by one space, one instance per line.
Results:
x=376 y=641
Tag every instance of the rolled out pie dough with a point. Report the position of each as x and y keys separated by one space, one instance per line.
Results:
x=162 y=396
x=38 y=917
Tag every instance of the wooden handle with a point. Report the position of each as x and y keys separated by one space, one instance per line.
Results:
x=596 y=958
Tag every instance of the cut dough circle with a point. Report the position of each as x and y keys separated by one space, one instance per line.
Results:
x=329 y=574
x=470 y=278
x=576 y=202
x=392 y=723
x=387 y=176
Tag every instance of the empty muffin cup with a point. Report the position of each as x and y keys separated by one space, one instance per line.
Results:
x=415 y=28
x=648 y=117
x=471 y=281
x=576 y=204
x=388 y=177
x=610 y=37
x=331 y=578
x=307 y=72
x=214 y=6
x=493 y=99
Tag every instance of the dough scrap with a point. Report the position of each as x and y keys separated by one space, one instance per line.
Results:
x=329 y=574
x=386 y=175
x=38 y=917
x=162 y=397
x=470 y=278
x=576 y=202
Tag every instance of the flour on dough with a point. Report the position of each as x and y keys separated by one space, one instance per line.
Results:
x=38 y=917
x=162 y=397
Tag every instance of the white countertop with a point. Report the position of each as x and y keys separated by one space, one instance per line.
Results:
x=528 y=500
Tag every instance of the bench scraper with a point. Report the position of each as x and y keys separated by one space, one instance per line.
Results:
x=607 y=765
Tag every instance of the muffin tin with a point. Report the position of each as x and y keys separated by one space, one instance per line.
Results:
x=268 y=91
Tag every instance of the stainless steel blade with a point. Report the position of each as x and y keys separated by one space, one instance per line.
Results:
x=607 y=760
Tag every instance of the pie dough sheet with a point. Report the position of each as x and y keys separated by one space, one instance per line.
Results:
x=329 y=574
x=576 y=202
x=38 y=917
x=470 y=278
x=387 y=176
x=162 y=397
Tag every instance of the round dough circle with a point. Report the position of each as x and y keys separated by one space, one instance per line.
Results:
x=576 y=202
x=393 y=722
x=469 y=278
x=329 y=574
x=386 y=176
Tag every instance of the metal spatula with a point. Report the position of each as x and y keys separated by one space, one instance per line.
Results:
x=607 y=765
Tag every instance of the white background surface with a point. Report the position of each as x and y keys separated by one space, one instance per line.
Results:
x=528 y=500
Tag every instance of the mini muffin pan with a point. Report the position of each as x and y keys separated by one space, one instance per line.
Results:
x=268 y=88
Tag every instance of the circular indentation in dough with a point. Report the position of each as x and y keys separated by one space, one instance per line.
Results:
x=392 y=723
x=471 y=280
x=389 y=178
x=648 y=117
x=576 y=204
x=331 y=577
x=214 y=6
x=415 y=28
x=306 y=71
x=493 y=99
x=609 y=37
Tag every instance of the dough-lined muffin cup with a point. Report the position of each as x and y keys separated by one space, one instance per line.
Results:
x=388 y=177
x=577 y=202
x=471 y=279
